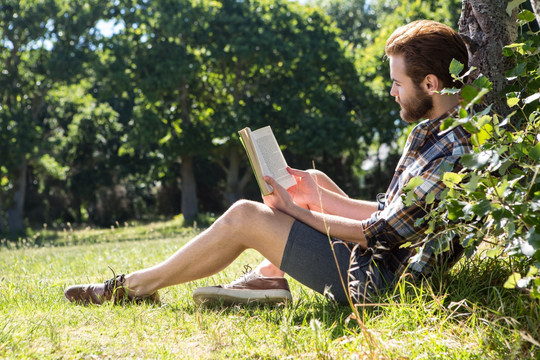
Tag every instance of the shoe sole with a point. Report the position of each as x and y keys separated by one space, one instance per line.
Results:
x=229 y=297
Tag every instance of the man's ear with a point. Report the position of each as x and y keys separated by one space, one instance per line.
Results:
x=431 y=84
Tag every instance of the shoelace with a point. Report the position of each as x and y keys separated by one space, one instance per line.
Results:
x=113 y=284
x=245 y=275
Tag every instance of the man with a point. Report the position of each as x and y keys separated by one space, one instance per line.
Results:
x=313 y=231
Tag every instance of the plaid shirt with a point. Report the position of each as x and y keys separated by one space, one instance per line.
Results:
x=427 y=153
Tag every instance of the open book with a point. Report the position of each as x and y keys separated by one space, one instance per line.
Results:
x=266 y=158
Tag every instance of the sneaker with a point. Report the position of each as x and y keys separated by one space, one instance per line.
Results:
x=250 y=288
x=112 y=289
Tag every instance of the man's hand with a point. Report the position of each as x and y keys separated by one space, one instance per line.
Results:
x=279 y=199
x=306 y=191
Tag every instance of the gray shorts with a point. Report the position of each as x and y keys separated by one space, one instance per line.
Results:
x=308 y=258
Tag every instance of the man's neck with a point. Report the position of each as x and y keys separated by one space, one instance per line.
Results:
x=443 y=104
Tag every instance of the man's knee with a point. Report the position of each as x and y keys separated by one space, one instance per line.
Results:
x=241 y=211
x=319 y=176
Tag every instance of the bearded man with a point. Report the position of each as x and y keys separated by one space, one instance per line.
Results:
x=352 y=248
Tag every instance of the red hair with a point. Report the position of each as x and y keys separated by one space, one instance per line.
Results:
x=428 y=47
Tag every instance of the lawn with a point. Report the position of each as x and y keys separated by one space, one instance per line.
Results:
x=466 y=314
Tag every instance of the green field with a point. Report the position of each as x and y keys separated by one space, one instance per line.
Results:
x=466 y=314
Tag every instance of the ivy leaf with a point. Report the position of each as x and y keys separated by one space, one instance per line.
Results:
x=430 y=198
x=532 y=98
x=413 y=183
x=472 y=185
x=534 y=153
x=469 y=93
x=526 y=15
x=482 y=208
x=512 y=5
x=493 y=253
x=476 y=160
x=455 y=210
x=485 y=133
x=533 y=238
x=483 y=82
x=512 y=101
x=450 y=91
x=451 y=179
x=516 y=71
x=512 y=281
x=456 y=68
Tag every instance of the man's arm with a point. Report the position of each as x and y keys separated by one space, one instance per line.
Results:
x=344 y=228
x=312 y=192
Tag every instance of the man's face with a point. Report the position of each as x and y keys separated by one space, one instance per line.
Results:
x=415 y=103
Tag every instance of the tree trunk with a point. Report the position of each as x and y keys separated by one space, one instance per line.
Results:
x=14 y=214
x=190 y=202
x=535 y=4
x=235 y=185
x=487 y=28
x=2 y=222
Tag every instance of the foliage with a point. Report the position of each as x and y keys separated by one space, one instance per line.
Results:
x=42 y=43
x=381 y=124
x=495 y=198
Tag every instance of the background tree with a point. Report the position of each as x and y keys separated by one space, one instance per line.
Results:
x=280 y=64
x=43 y=42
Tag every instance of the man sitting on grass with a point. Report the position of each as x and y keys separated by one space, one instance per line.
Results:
x=309 y=231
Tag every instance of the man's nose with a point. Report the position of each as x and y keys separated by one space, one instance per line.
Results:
x=393 y=91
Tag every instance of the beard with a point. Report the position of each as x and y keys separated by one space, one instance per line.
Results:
x=416 y=108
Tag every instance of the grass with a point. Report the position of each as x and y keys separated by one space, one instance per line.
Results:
x=466 y=314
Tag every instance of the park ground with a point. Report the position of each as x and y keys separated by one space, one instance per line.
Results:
x=465 y=314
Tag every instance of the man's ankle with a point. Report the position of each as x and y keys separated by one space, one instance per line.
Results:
x=269 y=271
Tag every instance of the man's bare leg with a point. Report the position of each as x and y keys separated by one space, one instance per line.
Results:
x=266 y=267
x=215 y=248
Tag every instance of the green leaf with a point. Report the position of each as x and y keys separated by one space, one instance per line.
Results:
x=413 y=183
x=451 y=179
x=469 y=92
x=485 y=133
x=476 y=160
x=512 y=5
x=472 y=185
x=493 y=253
x=531 y=98
x=511 y=283
x=533 y=238
x=455 y=210
x=430 y=198
x=483 y=82
x=512 y=101
x=410 y=198
x=534 y=153
x=526 y=15
x=532 y=271
x=450 y=91
x=482 y=208
x=456 y=68
x=518 y=70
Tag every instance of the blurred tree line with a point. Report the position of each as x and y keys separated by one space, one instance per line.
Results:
x=111 y=111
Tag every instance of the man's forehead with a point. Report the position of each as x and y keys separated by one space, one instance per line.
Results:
x=397 y=67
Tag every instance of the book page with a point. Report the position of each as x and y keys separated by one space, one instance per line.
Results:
x=272 y=160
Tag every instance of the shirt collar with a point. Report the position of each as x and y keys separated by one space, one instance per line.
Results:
x=428 y=127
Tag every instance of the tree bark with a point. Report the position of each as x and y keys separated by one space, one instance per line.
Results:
x=235 y=184
x=190 y=203
x=2 y=222
x=487 y=28
x=15 y=212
